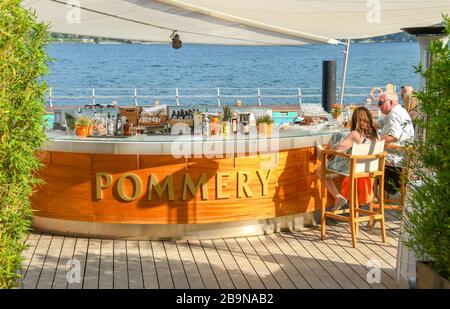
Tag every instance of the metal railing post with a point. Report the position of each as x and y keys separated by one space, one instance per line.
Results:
x=259 y=97
x=135 y=97
x=177 y=96
x=93 y=96
x=299 y=97
x=344 y=72
x=218 y=96
x=50 y=101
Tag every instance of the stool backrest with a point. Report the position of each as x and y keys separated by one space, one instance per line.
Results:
x=364 y=149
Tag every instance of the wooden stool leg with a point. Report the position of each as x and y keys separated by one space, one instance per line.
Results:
x=323 y=221
x=352 y=212
x=383 y=229
x=371 y=218
x=353 y=230
x=323 y=225
x=356 y=208
x=402 y=189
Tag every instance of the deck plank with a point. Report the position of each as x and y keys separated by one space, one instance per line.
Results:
x=297 y=261
x=260 y=268
x=31 y=241
x=176 y=266
x=245 y=266
x=362 y=255
x=149 y=275
x=91 y=276
x=190 y=267
x=162 y=266
x=275 y=269
x=106 y=273
x=294 y=275
x=135 y=280
x=327 y=262
x=68 y=248
x=120 y=265
x=31 y=278
x=296 y=244
x=351 y=267
x=203 y=265
x=79 y=256
x=373 y=244
x=230 y=264
x=217 y=265
x=51 y=262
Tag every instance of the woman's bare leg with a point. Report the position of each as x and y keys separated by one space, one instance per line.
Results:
x=339 y=200
x=331 y=187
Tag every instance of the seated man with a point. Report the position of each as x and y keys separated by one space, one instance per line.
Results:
x=396 y=129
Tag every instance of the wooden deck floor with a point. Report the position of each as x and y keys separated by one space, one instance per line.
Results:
x=285 y=260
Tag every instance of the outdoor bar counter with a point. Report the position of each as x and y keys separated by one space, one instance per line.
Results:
x=178 y=186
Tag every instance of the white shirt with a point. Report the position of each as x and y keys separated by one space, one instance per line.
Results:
x=398 y=124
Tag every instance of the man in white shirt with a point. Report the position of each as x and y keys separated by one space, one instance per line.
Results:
x=396 y=129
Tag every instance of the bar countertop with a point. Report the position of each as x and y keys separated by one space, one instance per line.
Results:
x=292 y=138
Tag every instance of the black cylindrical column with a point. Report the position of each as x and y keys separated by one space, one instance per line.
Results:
x=328 y=84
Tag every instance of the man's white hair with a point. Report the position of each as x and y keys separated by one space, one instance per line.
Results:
x=391 y=96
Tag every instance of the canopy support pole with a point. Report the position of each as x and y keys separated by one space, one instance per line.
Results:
x=344 y=71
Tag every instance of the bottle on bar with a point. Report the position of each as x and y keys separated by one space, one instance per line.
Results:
x=205 y=126
x=118 y=126
x=109 y=126
x=234 y=123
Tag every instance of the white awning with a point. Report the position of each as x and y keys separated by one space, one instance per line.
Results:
x=238 y=22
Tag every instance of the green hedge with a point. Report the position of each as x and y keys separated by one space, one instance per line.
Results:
x=23 y=62
x=428 y=220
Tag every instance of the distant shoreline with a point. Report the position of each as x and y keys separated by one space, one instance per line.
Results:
x=400 y=37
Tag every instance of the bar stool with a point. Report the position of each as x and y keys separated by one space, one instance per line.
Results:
x=398 y=203
x=366 y=160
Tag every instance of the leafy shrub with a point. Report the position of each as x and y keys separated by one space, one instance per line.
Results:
x=264 y=119
x=83 y=121
x=22 y=99
x=70 y=121
x=428 y=220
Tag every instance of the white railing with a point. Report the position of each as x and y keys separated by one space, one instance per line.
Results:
x=200 y=96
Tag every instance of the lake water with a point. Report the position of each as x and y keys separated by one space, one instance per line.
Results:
x=116 y=69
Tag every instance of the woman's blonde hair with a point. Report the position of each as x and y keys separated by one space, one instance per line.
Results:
x=362 y=122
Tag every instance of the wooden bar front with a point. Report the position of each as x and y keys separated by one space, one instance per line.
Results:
x=70 y=189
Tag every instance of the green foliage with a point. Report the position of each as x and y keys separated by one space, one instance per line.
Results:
x=23 y=61
x=83 y=121
x=264 y=119
x=226 y=113
x=428 y=220
x=70 y=121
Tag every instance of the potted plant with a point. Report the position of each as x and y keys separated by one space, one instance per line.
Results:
x=336 y=111
x=226 y=119
x=264 y=125
x=83 y=126
x=427 y=217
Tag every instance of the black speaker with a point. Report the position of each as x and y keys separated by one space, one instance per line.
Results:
x=328 y=84
x=176 y=42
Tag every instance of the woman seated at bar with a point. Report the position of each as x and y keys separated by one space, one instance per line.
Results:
x=362 y=131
